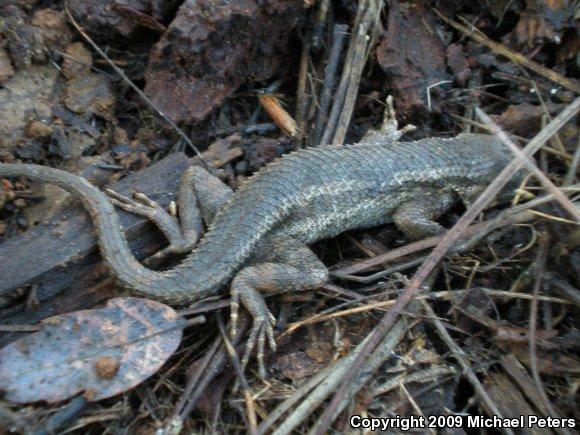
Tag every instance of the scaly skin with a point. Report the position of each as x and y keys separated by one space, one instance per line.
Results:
x=310 y=194
x=258 y=236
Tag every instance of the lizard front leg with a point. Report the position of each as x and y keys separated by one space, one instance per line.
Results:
x=284 y=266
x=201 y=195
x=389 y=130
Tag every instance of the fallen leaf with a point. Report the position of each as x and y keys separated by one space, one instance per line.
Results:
x=101 y=352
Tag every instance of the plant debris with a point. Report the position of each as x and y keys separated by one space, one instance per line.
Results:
x=129 y=93
x=100 y=353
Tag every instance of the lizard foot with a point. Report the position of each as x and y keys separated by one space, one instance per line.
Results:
x=261 y=334
x=389 y=130
x=292 y=266
x=390 y=123
x=142 y=205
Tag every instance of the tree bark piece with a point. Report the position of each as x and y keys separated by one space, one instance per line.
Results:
x=60 y=257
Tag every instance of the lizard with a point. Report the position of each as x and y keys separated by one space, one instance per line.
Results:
x=257 y=237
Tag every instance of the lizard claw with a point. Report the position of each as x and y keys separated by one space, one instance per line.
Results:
x=140 y=203
x=390 y=124
x=234 y=313
x=262 y=332
x=389 y=130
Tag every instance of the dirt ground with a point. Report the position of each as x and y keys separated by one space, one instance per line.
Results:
x=128 y=93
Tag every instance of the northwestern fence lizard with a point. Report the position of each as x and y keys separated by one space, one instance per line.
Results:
x=258 y=237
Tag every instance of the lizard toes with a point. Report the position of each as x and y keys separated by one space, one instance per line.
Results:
x=265 y=338
x=144 y=200
x=261 y=336
x=251 y=343
x=129 y=204
x=117 y=196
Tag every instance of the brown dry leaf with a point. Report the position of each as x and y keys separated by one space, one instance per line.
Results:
x=533 y=29
x=320 y=352
x=101 y=352
x=278 y=114
x=413 y=56
x=420 y=354
x=209 y=50
x=458 y=63
x=524 y=119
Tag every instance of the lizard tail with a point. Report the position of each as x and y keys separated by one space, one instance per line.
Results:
x=113 y=244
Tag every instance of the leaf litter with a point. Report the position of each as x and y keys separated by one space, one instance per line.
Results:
x=102 y=352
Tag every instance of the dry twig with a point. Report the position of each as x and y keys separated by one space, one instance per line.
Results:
x=560 y=197
x=367 y=19
x=540 y=266
x=512 y=55
x=338 y=36
x=436 y=255
x=459 y=355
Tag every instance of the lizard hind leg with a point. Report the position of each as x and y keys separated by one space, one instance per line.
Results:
x=210 y=192
x=416 y=218
x=286 y=266
x=199 y=198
